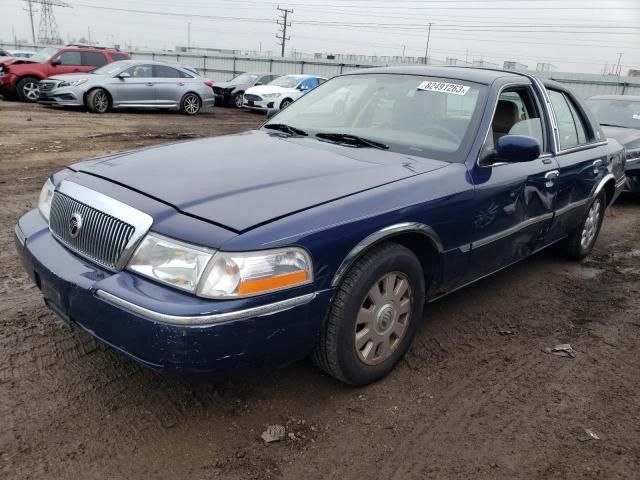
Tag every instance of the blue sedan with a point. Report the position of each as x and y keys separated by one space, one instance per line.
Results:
x=326 y=231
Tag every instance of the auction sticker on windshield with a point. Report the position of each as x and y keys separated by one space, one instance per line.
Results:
x=443 y=87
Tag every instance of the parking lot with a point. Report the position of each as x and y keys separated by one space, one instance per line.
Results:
x=475 y=398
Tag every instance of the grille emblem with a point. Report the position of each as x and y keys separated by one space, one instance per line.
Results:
x=75 y=225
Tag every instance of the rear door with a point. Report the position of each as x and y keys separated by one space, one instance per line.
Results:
x=514 y=201
x=170 y=84
x=93 y=60
x=581 y=158
x=137 y=89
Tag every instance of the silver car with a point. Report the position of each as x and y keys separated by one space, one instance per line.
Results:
x=130 y=84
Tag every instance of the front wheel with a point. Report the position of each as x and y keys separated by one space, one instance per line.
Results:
x=97 y=101
x=27 y=89
x=374 y=316
x=285 y=103
x=237 y=100
x=190 y=104
x=581 y=241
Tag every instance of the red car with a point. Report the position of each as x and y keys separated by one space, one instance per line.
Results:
x=20 y=76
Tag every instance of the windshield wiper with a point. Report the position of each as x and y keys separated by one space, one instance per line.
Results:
x=352 y=140
x=282 y=127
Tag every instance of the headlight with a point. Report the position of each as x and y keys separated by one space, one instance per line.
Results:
x=75 y=83
x=170 y=261
x=46 y=195
x=245 y=274
x=221 y=275
x=271 y=95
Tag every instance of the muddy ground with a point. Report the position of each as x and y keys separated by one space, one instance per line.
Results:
x=475 y=398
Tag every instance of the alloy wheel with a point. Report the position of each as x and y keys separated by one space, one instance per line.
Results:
x=383 y=318
x=590 y=227
x=31 y=90
x=238 y=99
x=191 y=104
x=100 y=102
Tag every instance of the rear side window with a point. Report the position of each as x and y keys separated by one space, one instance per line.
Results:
x=95 y=59
x=119 y=56
x=162 y=71
x=70 y=58
x=571 y=128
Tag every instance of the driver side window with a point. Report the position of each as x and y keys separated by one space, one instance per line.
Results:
x=140 y=71
x=516 y=114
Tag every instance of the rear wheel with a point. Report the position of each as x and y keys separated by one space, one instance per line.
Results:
x=285 y=103
x=374 y=316
x=580 y=243
x=97 y=101
x=27 y=89
x=237 y=100
x=190 y=104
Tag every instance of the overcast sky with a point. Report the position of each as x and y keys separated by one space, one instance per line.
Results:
x=575 y=35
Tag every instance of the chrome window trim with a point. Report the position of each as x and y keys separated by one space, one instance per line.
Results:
x=204 y=320
x=375 y=237
x=140 y=221
x=510 y=231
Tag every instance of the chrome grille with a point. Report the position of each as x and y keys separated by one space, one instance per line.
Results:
x=100 y=237
x=47 y=85
x=252 y=98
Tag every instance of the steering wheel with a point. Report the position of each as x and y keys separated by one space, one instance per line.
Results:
x=440 y=129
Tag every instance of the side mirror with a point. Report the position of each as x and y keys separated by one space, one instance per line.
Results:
x=123 y=75
x=512 y=149
x=56 y=62
x=271 y=112
x=257 y=83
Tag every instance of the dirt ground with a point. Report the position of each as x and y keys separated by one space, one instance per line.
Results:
x=475 y=398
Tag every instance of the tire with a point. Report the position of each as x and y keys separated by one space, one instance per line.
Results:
x=190 y=104
x=285 y=103
x=97 y=101
x=237 y=99
x=27 y=89
x=348 y=347
x=581 y=241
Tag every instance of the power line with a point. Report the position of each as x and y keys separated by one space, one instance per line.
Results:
x=283 y=27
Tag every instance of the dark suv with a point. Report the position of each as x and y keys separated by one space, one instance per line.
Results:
x=20 y=76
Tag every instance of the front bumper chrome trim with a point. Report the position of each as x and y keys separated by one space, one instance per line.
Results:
x=203 y=320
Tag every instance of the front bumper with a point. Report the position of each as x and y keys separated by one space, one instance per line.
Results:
x=62 y=97
x=131 y=314
x=260 y=105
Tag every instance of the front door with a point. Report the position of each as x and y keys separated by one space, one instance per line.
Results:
x=136 y=89
x=514 y=201
x=69 y=61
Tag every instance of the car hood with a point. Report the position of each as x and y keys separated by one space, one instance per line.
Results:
x=265 y=89
x=244 y=180
x=5 y=61
x=628 y=137
x=229 y=84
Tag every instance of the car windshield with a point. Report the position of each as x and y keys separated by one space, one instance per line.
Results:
x=245 y=78
x=616 y=112
x=410 y=114
x=111 y=68
x=44 y=54
x=286 y=81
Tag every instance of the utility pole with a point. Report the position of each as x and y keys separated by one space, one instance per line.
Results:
x=426 y=53
x=403 y=49
x=618 y=70
x=33 y=30
x=283 y=27
x=188 y=36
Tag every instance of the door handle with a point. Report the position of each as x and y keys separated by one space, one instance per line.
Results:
x=596 y=166
x=550 y=178
x=149 y=84
x=181 y=84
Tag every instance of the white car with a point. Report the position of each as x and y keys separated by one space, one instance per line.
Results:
x=22 y=53
x=281 y=92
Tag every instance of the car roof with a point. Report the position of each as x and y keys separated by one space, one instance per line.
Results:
x=473 y=74
x=635 y=98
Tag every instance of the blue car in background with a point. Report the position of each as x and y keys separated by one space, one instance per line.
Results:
x=325 y=231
